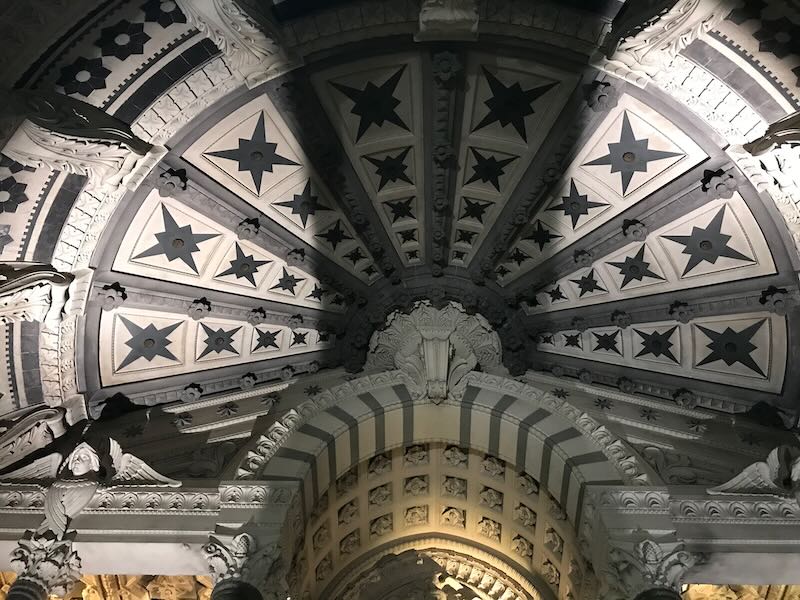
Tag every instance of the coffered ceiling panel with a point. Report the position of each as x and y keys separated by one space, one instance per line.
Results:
x=634 y=152
x=168 y=240
x=510 y=106
x=253 y=153
x=376 y=107
x=745 y=350
x=715 y=243
x=138 y=344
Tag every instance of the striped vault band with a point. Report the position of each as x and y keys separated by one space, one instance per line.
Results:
x=541 y=443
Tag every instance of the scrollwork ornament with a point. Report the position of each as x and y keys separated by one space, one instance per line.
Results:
x=240 y=557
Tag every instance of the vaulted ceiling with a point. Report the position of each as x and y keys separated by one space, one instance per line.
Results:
x=600 y=227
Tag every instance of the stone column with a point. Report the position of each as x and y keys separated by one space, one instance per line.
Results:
x=242 y=568
x=45 y=566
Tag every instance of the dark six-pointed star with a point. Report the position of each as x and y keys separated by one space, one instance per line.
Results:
x=707 y=243
x=243 y=266
x=147 y=342
x=287 y=282
x=518 y=256
x=218 y=340
x=606 y=341
x=176 y=242
x=266 y=339
x=588 y=284
x=635 y=267
x=488 y=169
x=732 y=346
x=542 y=236
x=317 y=293
x=576 y=205
x=335 y=235
x=572 y=340
x=375 y=105
x=391 y=168
x=629 y=155
x=304 y=204
x=556 y=294
x=657 y=343
x=509 y=105
x=299 y=339
x=256 y=155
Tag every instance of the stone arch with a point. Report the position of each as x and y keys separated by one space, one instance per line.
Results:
x=561 y=447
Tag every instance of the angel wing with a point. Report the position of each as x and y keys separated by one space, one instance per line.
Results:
x=129 y=470
x=771 y=477
x=64 y=501
x=41 y=471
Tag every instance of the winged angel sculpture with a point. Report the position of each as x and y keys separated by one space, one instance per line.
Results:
x=72 y=482
x=778 y=476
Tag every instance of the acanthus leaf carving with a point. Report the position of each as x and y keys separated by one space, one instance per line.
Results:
x=242 y=557
x=254 y=50
x=47 y=562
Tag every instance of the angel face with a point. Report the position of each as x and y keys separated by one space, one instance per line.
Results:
x=83 y=460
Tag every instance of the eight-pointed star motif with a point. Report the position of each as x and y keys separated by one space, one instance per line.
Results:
x=176 y=241
x=572 y=340
x=474 y=209
x=576 y=205
x=509 y=105
x=488 y=169
x=256 y=155
x=391 y=168
x=243 y=266
x=607 y=341
x=732 y=347
x=266 y=339
x=707 y=243
x=657 y=343
x=218 y=340
x=629 y=155
x=401 y=209
x=147 y=342
x=635 y=267
x=542 y=236
x=304 y=204
x=375 y=105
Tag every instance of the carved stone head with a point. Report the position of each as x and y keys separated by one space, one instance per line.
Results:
x=83 y=460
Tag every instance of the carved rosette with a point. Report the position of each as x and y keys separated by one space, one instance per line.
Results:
x=241 y=559
x=647 y=566
x=47 y=563
x=435 y=348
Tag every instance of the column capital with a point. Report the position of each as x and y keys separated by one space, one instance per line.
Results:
x=48 y=563
x=243 y=559
x=647 y=569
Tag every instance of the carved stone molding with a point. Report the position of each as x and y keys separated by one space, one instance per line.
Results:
x=448 y=20
x=241 y=558
x=778 y=476
x=31 y=292
x=644 y=565
x=646 y=36
x=785 y=131
x=254 y=50
x=436 y=348
x=50 y=564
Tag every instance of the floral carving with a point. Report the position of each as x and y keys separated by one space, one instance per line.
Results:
x=47 y=562
x=455 y=457
x=416 y=455
x=454 y=517
x=491 y=498
x=522 y=546
x=489 y=528
x=524 y=515
x=381 y=525
x=494 y=467
x=348 y=512
x=350 y=542
x=416 y=486
x=380 y=495
x=380 y=464
x=417 y=515
x=454 y=486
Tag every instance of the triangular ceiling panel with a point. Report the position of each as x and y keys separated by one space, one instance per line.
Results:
x=746 y=350
x=707 y=246
x=253 y=152
x=509 y=108
x=142 y=343
x=633 y=153
x=188 y=247
x=376 y=108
